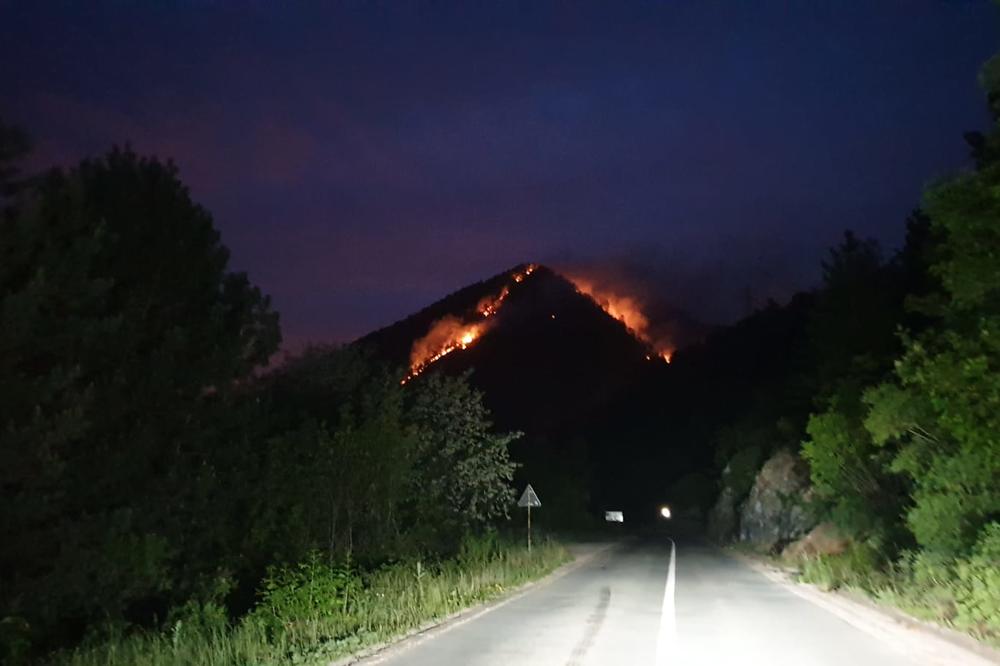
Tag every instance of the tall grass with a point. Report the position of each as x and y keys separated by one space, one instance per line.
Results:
x=313 y=613
x=958 y=592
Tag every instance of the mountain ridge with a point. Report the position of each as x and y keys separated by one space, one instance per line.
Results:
x=554 y=365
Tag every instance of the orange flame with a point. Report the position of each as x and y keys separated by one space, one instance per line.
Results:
x=628 y=311
x=491 y=304
x=450 y=333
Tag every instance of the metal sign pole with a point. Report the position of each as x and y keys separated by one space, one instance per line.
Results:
x=529 y=499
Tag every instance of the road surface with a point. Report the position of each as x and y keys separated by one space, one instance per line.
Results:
x=622 y=606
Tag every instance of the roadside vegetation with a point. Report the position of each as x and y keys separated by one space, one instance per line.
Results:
x=167 y=497
x=311 y=612
x=165 y=500
x=892 y=399
x=962 y=592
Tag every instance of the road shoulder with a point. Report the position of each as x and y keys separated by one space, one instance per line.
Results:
x=583 y=553
x=930 y=643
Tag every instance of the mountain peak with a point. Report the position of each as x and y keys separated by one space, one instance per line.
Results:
x=462 y=318
x=533 y=338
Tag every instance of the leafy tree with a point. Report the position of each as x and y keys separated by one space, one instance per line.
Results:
x=351 y=469
x=852 y=328
x=985 y=147
x=849 y=472
x=942 y=411
x=119 y=323
x=336 y=471
x=853 y=338
x=463 y=470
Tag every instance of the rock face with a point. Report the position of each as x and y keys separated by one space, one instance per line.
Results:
x=774 y=512
x=723 y=521
x=824 y=539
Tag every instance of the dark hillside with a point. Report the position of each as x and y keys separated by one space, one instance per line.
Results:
x=607 y=422
x=550 y=354
x=393 y=342
x=661 y=427
x=553 y=364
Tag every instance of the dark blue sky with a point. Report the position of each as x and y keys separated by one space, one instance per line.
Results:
x=365 y=158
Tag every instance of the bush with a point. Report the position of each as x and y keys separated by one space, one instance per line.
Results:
x=307 y=592
x=861 y=566
x=849 y=472
x=313 y=612
x=977 y=586
x=15 y=640
x=204 y=615
x=961 y=592
x=475 y=551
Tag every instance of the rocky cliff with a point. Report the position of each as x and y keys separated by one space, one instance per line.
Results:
x=775 y=511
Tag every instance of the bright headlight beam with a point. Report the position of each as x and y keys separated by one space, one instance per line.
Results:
x=665 y=511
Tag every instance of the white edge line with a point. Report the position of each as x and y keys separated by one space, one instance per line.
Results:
x=666 y=639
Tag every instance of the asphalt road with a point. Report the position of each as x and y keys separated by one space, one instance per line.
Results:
x=621 y=606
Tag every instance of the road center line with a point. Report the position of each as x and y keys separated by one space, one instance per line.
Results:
x=667 y=636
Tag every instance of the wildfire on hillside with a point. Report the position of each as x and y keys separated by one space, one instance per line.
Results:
x=451 y=333
x=627 y=310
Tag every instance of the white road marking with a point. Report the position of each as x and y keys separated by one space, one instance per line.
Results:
x=666 y=639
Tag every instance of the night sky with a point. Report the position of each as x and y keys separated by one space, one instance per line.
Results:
x=363 y=159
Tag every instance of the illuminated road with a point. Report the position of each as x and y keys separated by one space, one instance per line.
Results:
x=617 y=608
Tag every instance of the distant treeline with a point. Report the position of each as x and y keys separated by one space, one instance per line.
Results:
x=886 y=381
x=146 y=466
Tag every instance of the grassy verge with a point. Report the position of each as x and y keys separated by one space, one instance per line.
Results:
x=962 y=593
x=753 y=551
x=313 y=613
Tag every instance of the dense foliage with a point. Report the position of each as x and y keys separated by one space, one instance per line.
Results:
x=166 y=497
x=940 y=413
x=312 y=612
x=149 y=471
x=932 y=421
x=902 y=362
x=464 y=470
x=118 y=317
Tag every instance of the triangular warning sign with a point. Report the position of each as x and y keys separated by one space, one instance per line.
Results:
x=529 y=498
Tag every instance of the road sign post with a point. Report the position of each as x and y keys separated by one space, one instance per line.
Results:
x=529 y=498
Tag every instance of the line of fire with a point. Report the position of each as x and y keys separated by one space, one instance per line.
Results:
x=451 y=333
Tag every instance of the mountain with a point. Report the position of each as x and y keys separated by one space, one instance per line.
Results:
x=608 y=423
x=547 y=353
x=586 y=390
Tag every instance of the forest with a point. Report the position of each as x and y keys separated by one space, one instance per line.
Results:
x=883 y=384
x=170 y=497
x=153 y=477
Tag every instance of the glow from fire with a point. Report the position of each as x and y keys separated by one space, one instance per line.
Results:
x=450 y=333
x=628 y=311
